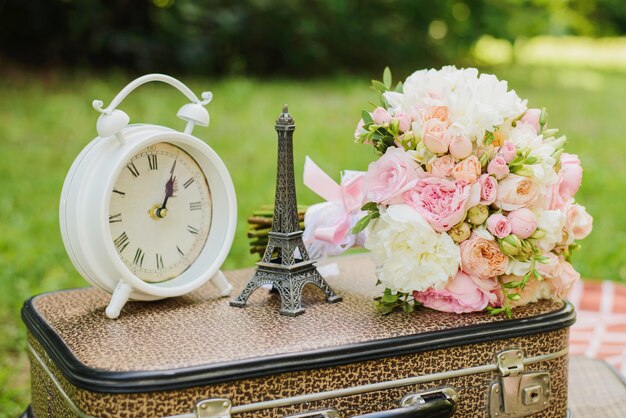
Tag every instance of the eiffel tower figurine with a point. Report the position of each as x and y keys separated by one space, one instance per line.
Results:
x=287 y=273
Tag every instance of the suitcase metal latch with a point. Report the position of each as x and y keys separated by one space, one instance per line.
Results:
x=517 y=393
x=213 y=408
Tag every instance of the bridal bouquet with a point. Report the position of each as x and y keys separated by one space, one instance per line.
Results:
x=470 y=205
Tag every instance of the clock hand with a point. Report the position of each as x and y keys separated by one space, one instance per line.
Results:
x=169 y=192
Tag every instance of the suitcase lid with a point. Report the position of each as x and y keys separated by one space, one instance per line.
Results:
x=198 y=339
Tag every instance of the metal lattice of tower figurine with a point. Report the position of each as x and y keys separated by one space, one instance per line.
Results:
x=287 y=273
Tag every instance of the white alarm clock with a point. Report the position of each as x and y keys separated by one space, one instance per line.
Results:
x=148 y=212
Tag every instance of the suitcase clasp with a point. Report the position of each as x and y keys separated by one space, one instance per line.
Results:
x=213 y=408
x=517 y=393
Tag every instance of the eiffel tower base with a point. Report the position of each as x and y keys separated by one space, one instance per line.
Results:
x=289 y=283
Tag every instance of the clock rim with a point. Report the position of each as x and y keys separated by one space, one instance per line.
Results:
x=84 y=252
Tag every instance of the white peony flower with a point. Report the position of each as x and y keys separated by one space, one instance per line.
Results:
x=478 y=103
x=551 y=223
x=409 y=254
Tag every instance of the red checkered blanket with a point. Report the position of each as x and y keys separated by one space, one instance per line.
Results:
x=600 y=329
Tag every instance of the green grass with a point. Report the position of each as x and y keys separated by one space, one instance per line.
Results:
x=47 y=120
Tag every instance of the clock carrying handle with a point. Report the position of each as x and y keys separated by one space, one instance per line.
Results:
x=112 y=120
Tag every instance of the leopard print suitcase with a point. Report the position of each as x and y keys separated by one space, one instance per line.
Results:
x=195 y=356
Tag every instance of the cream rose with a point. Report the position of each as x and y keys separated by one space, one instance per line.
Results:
x=578 y=223
x=516 y=192
x=441 y=166
x=482 y=258
x=565 y=280
x=467 y=170
x=435 y=136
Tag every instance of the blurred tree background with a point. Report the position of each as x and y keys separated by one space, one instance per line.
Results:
x=276 y=37
x=317 y=55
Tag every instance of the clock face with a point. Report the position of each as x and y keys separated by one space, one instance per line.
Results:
x=160 y=212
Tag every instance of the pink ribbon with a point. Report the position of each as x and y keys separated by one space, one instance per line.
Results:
x=347 y=196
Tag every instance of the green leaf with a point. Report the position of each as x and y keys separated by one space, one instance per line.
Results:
x=362 y=224
x=408 y=307
x=389 y=140
x=377 y=85
x=370 y=206
x=399 y=87
x=387 y=78
x=494 y=311
x=384 y=309
x=512 y=285
x=367 y=118
x=389 y=298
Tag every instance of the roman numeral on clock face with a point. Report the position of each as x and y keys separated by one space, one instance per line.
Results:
x=195 y=205
x=180 y=251
x=152 y=162
x=115 y=218
x=139 y=254
x=159 y=261
x=121 y=242
x=119 y=193
x=192 y=230
x=188 y=183
x=133 y=170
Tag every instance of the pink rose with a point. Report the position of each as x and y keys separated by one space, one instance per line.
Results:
x=488 y=189
x=555 y=202
x=531 y=117
x=404 y=121
x=460 y=146
x=572 y=174
x=499 y=225
x=436 y=137
x=523 y=222
x=482 y=258
x=577 y=221
x=498 y=168
x=441 y=202
x=508 y=151
x=515 y=192
x=564 y=281
x=441 y=166
x=568 y=182
x=467 y=170
x=462 y=294
x=381 y=116
x=390 y=176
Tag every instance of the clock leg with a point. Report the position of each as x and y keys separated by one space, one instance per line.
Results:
x=118 y=299
x=222 y=284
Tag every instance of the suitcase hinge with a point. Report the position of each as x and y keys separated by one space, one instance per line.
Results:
x=213 y=408
x=517 y=393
